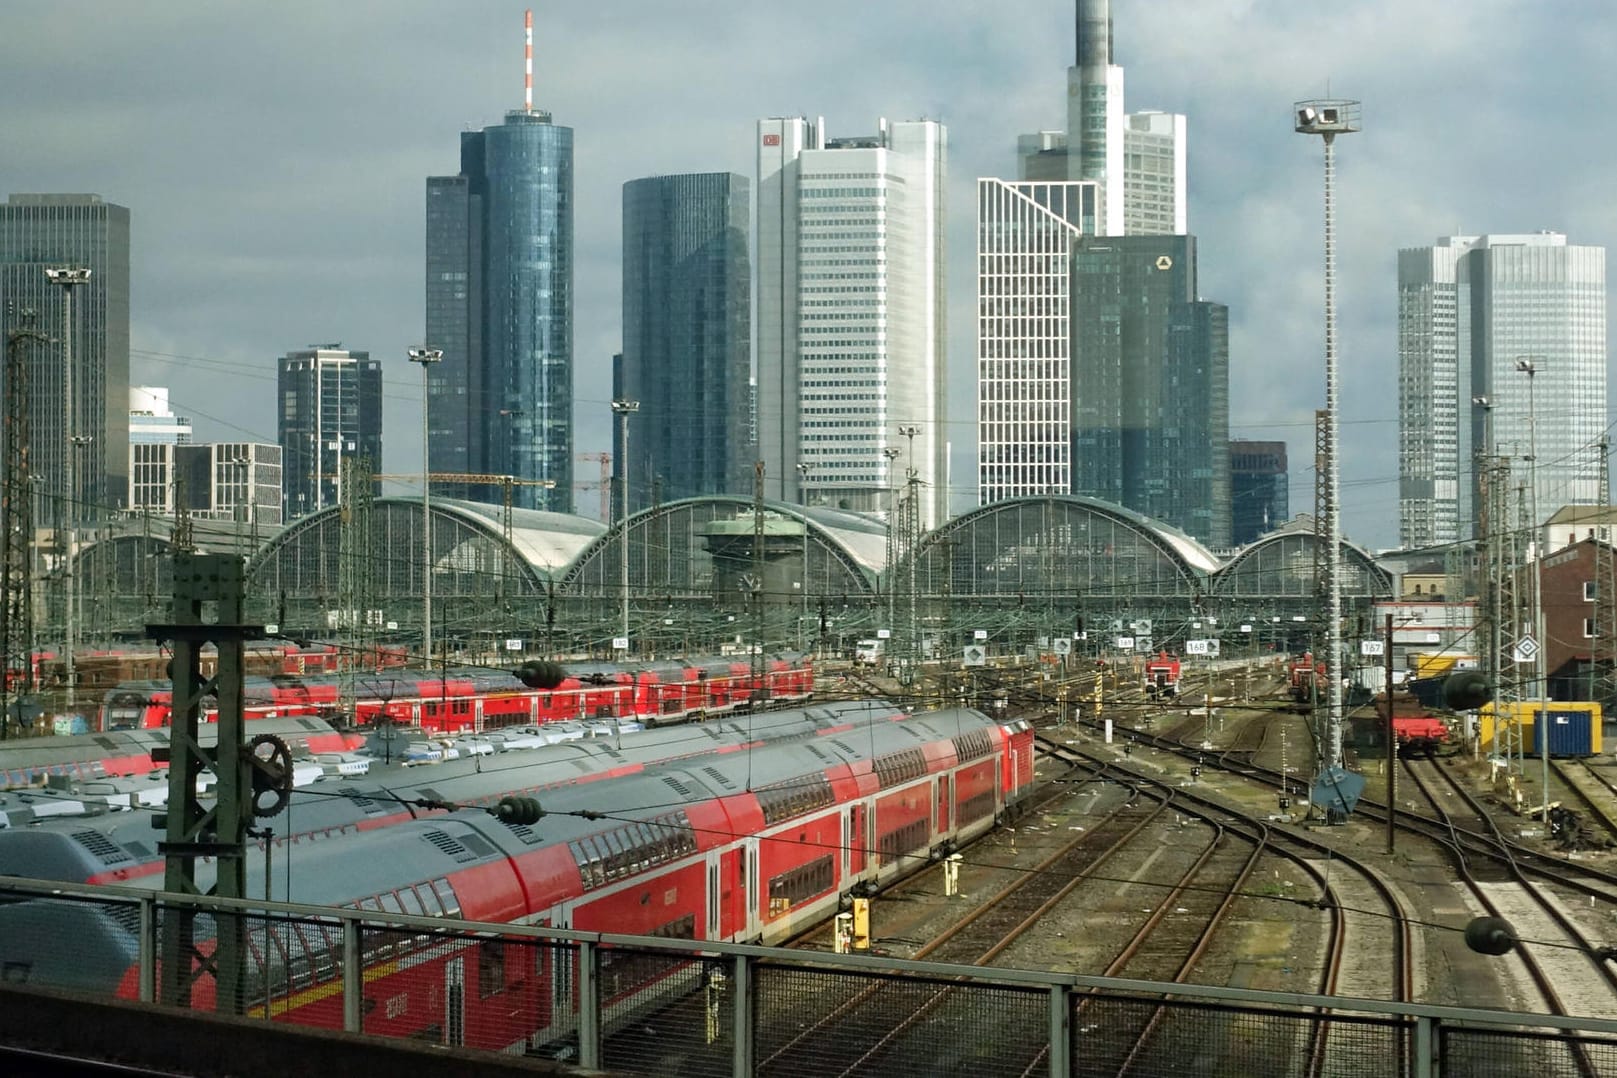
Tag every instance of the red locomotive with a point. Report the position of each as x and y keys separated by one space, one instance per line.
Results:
x=1162 y=676
x=748 y=847
x=460 y=700
x=1306 y=678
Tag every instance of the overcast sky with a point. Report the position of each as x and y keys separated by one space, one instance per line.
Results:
x=273 y=157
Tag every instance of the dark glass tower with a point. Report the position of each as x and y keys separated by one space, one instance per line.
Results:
x=330 y=410
x=687 y=320
x=40 y=232
x=499 y=296
x=1260 y=499
x=1150 y=384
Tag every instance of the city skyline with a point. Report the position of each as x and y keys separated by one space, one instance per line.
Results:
x=331 y=171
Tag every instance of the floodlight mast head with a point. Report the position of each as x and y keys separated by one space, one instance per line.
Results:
x=1327 y=117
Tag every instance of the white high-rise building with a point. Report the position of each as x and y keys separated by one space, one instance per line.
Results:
x=1154 y=175
x=1469 y=309
x=850 y=314
x=1026 y=231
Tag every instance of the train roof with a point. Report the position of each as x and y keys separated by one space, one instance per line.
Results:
x=104 y=843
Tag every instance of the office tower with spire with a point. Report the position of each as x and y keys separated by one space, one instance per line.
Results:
x=499 y=299
x=40 y=232
x=1137 y=161
x=1471 y=309
x=687 y=327
x=850 y=314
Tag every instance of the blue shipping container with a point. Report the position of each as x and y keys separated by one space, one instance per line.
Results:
x=1570 y=733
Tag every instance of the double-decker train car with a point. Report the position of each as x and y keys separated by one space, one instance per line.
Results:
x=27 y=761
x=460 y=700
x=746 y=847
x=119 y=847
x=1162 y=676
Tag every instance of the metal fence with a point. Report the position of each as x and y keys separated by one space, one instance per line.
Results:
x=677 y=1007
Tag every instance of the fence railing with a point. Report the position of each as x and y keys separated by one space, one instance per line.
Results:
x=661 y=1005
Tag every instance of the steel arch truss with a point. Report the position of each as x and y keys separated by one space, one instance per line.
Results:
x=1023 y=549
x=304 y=579
x=1281 y=566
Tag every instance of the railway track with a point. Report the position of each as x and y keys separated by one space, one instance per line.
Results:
x=1561 y=962
x=1593 y=789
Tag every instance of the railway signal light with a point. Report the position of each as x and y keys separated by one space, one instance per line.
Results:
x=537 y=674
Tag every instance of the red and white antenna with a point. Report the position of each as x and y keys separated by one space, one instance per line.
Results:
x=527 y=60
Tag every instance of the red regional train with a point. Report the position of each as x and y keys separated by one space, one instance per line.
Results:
x=472 y=700
x=748 y=847
x=25 y=761
x=119 y=847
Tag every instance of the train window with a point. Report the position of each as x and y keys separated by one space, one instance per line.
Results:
x=446 y=897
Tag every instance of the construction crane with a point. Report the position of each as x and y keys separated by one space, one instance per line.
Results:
x=604 y=485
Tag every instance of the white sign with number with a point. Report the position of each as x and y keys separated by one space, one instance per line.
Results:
x=1124 y=643
x=620 y=643
x=884 y=634
x=979 y=634
x=1196 y=647
x=513 y=644
x=1372 y=647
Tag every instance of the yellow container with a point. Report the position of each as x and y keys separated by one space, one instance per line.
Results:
x=1503 y=718
x=1425 y=664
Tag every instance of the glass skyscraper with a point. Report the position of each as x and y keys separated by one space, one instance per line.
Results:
x=687 y=325
x=1150 y=384
x=499 y=298
x=1470 y=308
x=40 y=232
x=1260 y=498
x=330 y=410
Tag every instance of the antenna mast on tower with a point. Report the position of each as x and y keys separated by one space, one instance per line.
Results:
x=527 y=60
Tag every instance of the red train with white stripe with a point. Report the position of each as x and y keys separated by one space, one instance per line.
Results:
x=460 y=700
x=749 y=847
x=1162 y=676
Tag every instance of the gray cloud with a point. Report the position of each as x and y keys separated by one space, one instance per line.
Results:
x=274 y=159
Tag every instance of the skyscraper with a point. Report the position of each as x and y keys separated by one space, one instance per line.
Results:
x=1150 y=384
x=687 y=325
x=499 y=297
x=1136 y=160
x=41 y=232
x=850 y=310
x=330 y=410
x=1154 y=175
x=1470 y=308
x=1026 y=232
x=1260 y=499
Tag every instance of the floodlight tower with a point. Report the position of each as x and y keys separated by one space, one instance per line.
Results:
x=426 y=357
x=1328 y=119
x=69 y=278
